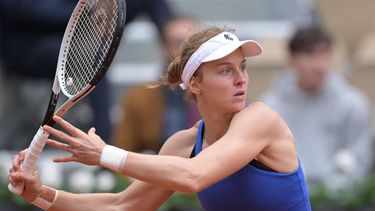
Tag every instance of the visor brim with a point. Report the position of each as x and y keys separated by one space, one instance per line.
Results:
x=249 y=48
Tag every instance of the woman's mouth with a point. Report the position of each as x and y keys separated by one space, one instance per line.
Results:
x=240 y=93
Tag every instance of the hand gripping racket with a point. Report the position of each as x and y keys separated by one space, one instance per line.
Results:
x=89 y=44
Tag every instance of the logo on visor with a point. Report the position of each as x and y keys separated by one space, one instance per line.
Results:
x=226 y=36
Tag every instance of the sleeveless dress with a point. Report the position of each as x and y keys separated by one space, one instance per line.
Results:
x=253 y=188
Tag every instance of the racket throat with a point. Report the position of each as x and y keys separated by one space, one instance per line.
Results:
x=72 y=101
x=51 y=110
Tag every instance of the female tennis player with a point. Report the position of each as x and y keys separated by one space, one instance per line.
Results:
x=237 y=157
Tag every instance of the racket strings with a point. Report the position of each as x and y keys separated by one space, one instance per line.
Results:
x=90 y=43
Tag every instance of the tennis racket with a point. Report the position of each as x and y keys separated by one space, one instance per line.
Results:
x=89 y=44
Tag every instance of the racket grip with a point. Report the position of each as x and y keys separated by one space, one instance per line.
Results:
x=31 y=158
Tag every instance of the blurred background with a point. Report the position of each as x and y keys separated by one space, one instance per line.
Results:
x=336 y=145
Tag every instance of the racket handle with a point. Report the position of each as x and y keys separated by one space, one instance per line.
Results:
x=31 y=158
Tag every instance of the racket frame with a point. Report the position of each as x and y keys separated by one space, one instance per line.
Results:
x=40 y=138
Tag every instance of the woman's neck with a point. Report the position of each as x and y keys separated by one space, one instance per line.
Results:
x=216 y=125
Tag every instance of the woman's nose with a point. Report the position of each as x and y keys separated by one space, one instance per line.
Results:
x=241 y=77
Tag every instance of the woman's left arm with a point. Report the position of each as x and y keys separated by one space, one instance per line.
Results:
x=250 y=131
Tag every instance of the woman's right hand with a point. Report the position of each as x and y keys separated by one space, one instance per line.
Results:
x=32 y=185
x=84 y=147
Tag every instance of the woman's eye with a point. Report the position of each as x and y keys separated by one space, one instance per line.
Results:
x=243 y=67
x=226 y=71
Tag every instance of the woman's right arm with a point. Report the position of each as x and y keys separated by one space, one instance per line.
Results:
x=132 y=198
x=138 y=196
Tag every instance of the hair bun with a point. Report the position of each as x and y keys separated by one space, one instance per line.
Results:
x=174 y=72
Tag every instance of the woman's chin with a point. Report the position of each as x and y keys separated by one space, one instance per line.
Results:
x=238 y=106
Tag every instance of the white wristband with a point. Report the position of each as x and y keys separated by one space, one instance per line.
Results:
x=113 y=158
x=43 y=203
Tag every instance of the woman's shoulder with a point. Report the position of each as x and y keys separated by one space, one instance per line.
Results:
x=257 y=112
x=181 y=143
x=260 y=107
x=260 y=118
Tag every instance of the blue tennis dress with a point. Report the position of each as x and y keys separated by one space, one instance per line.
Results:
x=254 y=189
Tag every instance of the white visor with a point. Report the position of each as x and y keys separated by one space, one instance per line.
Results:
x=216 y=48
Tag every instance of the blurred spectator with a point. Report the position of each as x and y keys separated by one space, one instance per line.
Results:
x=329 y=118
x=151 y=115
x=31 y=34
x=159 y=11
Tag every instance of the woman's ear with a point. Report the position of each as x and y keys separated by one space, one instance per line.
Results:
x=194 y=86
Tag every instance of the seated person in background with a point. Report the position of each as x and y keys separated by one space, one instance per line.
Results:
x=150 y=116
x=329 y=119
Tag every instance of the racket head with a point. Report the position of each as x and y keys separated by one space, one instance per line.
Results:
x=89 y=45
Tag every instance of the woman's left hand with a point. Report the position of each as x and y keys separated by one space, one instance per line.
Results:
x=32 y=185
x=85 y=148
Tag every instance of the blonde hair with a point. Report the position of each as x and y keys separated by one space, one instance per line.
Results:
x=174 y=71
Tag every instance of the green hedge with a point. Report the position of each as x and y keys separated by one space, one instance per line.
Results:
x=358 y=196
